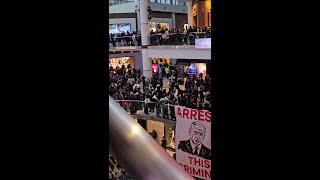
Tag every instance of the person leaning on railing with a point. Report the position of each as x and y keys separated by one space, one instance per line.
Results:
x=173 y=101
x=164 y=106
x=134 y=38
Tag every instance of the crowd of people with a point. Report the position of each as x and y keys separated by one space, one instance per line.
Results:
x=148 y=94
x=116 y=171
x=160 y=36
x=190 y=29
x=125 y=39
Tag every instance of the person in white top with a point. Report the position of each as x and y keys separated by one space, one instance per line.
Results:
x=165 y=36
x=136 y=85
x=186 y=26
x=134 y=40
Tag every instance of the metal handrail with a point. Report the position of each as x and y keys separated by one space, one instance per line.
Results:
x=149 y=102
x=137 y=151
x=113 y=174
x=160 y=34
x=156 y=39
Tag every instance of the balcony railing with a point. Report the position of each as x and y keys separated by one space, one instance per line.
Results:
x=116 y=2
x=174 y=2
x=136 y=150
x=151 y=110
x=156 y=39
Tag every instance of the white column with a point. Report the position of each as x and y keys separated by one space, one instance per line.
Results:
x=146 y=63
x=173 y=17
x=145 y=31
x=189 y=5
x=145 y=27
x=138 y=20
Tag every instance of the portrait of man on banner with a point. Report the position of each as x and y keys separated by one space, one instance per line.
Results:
x=194 y=146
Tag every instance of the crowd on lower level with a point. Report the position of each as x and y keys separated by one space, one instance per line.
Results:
x=117 y=172
x=153 y=97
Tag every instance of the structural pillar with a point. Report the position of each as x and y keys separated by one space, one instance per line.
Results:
x=189 y=5
x=145 y=31
x=173 y=17
x=138 y=20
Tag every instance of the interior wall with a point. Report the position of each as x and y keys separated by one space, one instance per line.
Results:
x=207 y=10
x=201 y=10
x=131 y=61
x=180 y=20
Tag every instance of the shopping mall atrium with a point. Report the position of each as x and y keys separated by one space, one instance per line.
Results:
x=160 y=89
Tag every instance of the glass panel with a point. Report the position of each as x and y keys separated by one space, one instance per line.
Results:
x=168 y=1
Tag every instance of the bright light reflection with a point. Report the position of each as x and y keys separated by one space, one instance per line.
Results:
x=135 y=130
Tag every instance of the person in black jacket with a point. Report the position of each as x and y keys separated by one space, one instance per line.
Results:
x=154 y=100
x=187 y=84
x=164 y=143
x=132 y=106
x=194 y=145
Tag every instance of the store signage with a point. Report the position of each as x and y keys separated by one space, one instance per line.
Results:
x=155 y=68
x=203 y=43
x=193 y=141
x=120 y=60
x=118 y=28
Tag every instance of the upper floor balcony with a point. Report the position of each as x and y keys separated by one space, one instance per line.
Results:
x=158 y=39
x=171 y=2
x=178 y=46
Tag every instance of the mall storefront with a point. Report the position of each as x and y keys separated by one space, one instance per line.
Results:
x=162 y=129
x=158 y=62
x=119 y=61
x=193 y=67
x=154 y=26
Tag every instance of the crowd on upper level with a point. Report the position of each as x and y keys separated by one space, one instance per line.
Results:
x=151 y=95
x=159 y=36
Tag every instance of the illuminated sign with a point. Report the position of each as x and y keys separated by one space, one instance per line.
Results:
x=120 y=60
x=155 y=68
x=203 y=43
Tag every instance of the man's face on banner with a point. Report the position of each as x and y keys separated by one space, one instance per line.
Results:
x=197 y=136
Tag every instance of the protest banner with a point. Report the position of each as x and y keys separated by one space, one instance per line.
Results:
x=193 y=141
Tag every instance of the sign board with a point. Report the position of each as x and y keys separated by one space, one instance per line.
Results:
x=155 y=68
x=118 y=28
x=203 y=43
x=193 y=141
